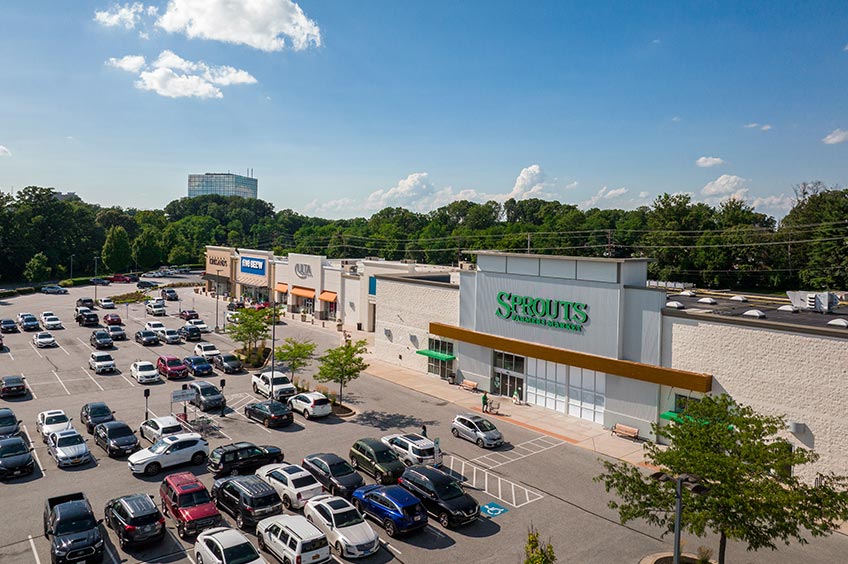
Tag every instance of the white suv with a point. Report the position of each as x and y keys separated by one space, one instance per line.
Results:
x=294 y=484
x=101 y=362
x=283 y=387
x=155 y=429
x=413 y=448
x=156 y=309
x=291 y=538
x=312 y=404
x=154 y=326
x=206 y=350
x=169 y=451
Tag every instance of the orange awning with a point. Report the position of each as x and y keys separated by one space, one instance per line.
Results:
x=303 y=292
x=282 y=288
x=327 y=296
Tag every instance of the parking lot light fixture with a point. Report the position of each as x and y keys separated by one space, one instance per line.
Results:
x=692 y=483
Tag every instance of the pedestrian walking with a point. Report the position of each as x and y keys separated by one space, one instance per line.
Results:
x=423 y=430
x=485 y=403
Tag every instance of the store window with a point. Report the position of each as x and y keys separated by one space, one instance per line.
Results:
x=442 y=368
x=511 y=362
x=680 y=402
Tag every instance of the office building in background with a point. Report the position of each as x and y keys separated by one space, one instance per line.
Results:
x=222 y=184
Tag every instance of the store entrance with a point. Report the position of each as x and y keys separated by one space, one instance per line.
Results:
x=507 y=384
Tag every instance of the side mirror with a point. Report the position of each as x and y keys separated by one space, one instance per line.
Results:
x=100 y=521
x=20 y=421
x=48 y=532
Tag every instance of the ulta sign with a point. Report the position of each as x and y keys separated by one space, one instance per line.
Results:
x=556 y=314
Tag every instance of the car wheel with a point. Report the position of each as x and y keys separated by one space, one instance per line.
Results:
x=287 y=502
x=198 y=558
x=260 y=540
x=454 y=432
x=122 y=541
x=198 y=457
x=444 y=519
x=480 y=443
x=267 y=422
x=240 y=521
x=355 y=463
x=234 y=472
x=389 y=525
x=152 y=469
x=339 y=549
x=379 y=477
x=181 y=532
x=306 y=414
x=255 y=390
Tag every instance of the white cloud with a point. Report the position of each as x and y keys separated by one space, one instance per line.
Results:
x=126 y=16
x=412 y=192
x=656 y=41
x=836 y=136
x=262 y=24
x=174 y=77
x=845 y=48
x=676 y=119
x=706 y=162
x=643 y=195
x=531 y=183
x=779 y=202
x=144 y=35
x=751 y=125
x=4 y=152
x=765 y=127
x=130 y=63
x=724 y=185
x=755 y=125
x=603 y=194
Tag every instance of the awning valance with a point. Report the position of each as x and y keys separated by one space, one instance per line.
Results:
x=327 y=296
x=302 y=292
x=281 y=287
x=671 y=416
x=435 y=354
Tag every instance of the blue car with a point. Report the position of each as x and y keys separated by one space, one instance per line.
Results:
x=197 y=365
x=397 y=510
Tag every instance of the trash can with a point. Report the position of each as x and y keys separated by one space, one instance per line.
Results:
x=451 y=378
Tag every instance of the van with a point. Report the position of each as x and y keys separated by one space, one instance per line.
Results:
x=291 y=538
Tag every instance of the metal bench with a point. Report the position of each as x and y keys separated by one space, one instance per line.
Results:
x=622 y=430
x=469 y=385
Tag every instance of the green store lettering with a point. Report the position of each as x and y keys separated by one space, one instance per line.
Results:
x=547 y=312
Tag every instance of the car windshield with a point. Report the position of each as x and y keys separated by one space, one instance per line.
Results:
x=44 y=336
x=304 y=481
x=78 y=525
x=276 y=408
x=340 y=468
x=7 y=420
x=194 y=498
x=209 y=391
x=449 y=490
x=100 y=411
x=229 y=358
x=118 y=432
x=171 y=332
x=146 y=367
x=102 y=335
x=207 y=347
x=347 y=518
x=147 y=334
x=70 y=441
x=485 y=426
x=385 y=456
x=240 y=554
x=281 y=381
x=103 y=358
x=14 y=448
x=13 y=381
x=174 y=362
x=56 y=419
x=159 y=447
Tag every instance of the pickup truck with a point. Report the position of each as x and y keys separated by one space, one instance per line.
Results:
x=73 y=531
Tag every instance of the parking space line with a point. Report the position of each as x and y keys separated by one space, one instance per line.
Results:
x=506 y=491
x=85 y=344
x=92 y=378
x=10 y=355
x=35 y=454
x=36 y=350
x=63 y=349
x=112 y=556
x=128 y=381
x=29 y=387
x=60 y=381
x=496 y=459
x=393 y=549
x=34 y=552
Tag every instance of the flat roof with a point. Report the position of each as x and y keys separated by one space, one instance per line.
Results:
x=558 y=257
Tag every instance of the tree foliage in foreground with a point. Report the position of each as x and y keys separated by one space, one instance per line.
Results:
x=737 y=453
x=251 y=328
x=536 y=551
x=342 y=364
x=296 y=353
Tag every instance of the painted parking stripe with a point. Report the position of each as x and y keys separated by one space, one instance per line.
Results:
x=506 y=491
x=29 y=387
x=86 y=345
x=60 y=381
x=128 y=381
x=63 y=349
x=92 y=378
x=34 y=453
x=35 y=349
x=34 y=552
x=520 y=451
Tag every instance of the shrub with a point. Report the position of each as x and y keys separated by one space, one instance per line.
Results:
x=26 y=290
x=8 y=293
x=68 y=282
x=130 y=297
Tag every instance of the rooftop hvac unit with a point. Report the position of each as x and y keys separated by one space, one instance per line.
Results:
x=349 y=268
x=822 y=302
x=465 y=265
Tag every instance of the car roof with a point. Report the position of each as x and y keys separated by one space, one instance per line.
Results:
x=418 y=440
x=184 y=481
x=114 y=425
x=250 y=484
x=398 y=495
x=314 y=395
x=375 y=444
x=227 y=537
x=6 y=410
x=52 y=412
x=431 y=473
x=166 y=420
x=327 y=457
x=203 y=384
x=180 y=437
x=67 y=432
x=168 y=357
x=235 y=446
x=299 y=526
x=96 y=404
x=12 y=377
x=138 y=504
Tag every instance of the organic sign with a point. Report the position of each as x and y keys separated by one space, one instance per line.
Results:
x=253 y=266
x=557 y=314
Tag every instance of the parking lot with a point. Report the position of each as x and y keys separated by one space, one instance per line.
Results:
x=532 y=480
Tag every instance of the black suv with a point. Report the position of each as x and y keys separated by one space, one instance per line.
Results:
x=441 y=494
x=242 y=458
x=145 y=337
x=135 y=519
x=95 y=413
x=190 y=333
x=101 y=339
x=247 y=498
x=87 y=318
x=334 y=473
x=85 y=302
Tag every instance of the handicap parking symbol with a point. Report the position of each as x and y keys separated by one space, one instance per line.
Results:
x=493 y=509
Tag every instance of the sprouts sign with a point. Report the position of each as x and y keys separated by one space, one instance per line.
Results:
x=556 y=314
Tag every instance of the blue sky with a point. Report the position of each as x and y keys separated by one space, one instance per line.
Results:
x=342 y=108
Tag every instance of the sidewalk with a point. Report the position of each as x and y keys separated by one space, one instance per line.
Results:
x=576 y=431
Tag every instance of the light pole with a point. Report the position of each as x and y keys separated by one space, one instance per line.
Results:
x=691 y=483
x=96 y=258
x=72 y=266
x=273 y=338
x=217 y=294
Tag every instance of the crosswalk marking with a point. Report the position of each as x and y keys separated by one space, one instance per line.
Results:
x=503 y=490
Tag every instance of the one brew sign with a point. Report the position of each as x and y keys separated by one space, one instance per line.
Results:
x=253 y=266
x=547 y=312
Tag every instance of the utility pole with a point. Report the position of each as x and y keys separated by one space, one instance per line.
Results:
x=273 y=355
x=96 y=258
x=72 y=266
x=528 y=243
x=609 y=242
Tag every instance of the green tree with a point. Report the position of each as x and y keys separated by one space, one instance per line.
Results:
x=753 y=495
x=147 y=248
x=36 y=270
x=251 y=328
x=537 y=552
x=116 y=253
x=296 y=353
x=342 y=364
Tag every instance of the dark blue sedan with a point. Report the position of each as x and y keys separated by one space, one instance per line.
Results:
x=197 y=365
x=397 y=510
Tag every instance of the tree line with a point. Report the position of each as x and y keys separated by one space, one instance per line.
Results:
x=729 y=245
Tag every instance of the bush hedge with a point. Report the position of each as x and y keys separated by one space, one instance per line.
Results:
x=130 y=297
x=26 y=290
x=8 y=293
x=68 y=282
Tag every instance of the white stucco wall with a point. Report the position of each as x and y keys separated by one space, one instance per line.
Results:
x=801 y=376
x=404 y=313
x=349 y=296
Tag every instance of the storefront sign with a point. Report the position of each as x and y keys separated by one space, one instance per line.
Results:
x=557 y=314
x=303 y=270
x=218 y=261
x=253 y=266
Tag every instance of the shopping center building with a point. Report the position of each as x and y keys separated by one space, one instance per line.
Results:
x=585 y=337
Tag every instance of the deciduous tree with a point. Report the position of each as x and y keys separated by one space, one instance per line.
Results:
x=116 y=253
x=37 y=270
x=342 y=364
x=296 y=353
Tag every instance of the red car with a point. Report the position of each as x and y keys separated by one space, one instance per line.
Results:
x=119 y=278
x=186 y=500
x=171 y=367
x=112 y=319
x=259 y=305
x=189 y=314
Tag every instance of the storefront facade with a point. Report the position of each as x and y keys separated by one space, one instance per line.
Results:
x=219 y=273
x=309 y=284
x=254 y=274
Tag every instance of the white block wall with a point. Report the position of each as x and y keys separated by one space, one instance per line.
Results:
x=801 y=376
x=404 y=313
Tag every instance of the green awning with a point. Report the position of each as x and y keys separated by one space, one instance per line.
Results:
x=671 y=416
x=436 y=354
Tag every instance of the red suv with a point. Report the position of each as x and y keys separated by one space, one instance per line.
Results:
x=171 y=367
x=119 y=278
x=186 y=500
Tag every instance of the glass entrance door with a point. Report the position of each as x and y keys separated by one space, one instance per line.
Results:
x=507 y=384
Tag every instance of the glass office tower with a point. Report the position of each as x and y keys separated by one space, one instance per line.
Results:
x=223 y=184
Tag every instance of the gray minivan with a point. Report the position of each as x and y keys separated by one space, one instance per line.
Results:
x=477 y=430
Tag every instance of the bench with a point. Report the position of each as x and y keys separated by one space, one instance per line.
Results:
x=622 y=430
x=469 y=385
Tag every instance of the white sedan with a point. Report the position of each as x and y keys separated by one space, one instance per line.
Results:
x=144 y=372
x=293 y=483
x=51 y=421
x=206 y=350
x=223 y=545
x=199 y=324
x=343 y=525
x=43 y=339
x=46 y=314
x=52 y=322
x=106 y=303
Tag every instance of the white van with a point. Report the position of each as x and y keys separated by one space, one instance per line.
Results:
x=291 y=538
